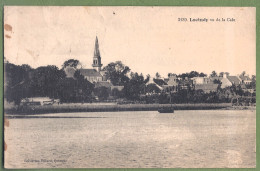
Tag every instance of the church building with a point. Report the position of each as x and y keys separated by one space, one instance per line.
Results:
x=93 y=75
x=97 y=58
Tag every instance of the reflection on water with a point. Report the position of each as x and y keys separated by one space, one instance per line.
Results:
x=186 y=139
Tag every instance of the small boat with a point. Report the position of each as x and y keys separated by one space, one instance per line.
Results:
x=167 y=109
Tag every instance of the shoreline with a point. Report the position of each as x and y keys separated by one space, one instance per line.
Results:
x=69 y=108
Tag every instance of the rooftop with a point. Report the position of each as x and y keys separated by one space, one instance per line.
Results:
x=233 y=79
x=160 y=82
x=90 y=73
x=103 y=84
x=206 y=87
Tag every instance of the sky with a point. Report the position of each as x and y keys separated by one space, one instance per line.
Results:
x=147 y=39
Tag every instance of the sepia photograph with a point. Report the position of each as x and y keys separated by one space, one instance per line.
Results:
x=129 y=87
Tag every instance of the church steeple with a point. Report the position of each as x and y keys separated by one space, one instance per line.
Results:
x=97 y=58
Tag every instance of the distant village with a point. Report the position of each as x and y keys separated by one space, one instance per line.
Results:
x=116 y=83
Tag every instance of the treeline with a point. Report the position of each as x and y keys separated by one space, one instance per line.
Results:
x=233 y=94
x=23 y=81
x=47 y=81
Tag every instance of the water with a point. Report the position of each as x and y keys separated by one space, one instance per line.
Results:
x=186 y=139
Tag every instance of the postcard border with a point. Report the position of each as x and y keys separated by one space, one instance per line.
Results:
x=206 y=3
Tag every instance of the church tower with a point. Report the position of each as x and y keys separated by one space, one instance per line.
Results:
x=97 y=58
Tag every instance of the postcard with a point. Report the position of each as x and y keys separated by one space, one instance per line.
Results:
x=129 y=87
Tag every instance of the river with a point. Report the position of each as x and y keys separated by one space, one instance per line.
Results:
x=185 y=139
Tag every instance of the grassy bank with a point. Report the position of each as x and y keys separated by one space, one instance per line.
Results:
x=64 y=108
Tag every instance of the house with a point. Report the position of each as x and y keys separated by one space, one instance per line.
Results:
x=106 y=84
x=166 y=80
x=104 y=77
x=119 y=88
x=37 y=101
x=172 y=80
x=206 y=84
x=228 y=81
x=160 y=82
x=201 y=80
x=207 y=88
x=92 y=75
x=152 y=82
x=234 y=80
x=172 y=83
x=225 y=82
x=245 y=79
x=185 y=84
x=155 y=85
x=164 y=86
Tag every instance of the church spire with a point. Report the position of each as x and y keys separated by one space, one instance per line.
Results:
x=96 y=51
x=97 y=58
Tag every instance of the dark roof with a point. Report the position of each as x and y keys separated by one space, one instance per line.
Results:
x=103 y=84
x=216 y=78
x=242 y=77
x=90 y=73
x=166 y=80
x=234 y=80
x=206 y=87
x=160 y=82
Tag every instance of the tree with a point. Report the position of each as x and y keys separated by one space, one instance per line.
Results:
x=157 y=75
x=102 y=92
x=221 y=74
x=16 y=81
x=117 y=93
x=253 y=78
x=243 y=73
x=202 y=75
x=72 y=63
x=193 y=74
x=213 y=74
x=216 y=81
x=171 y=74
x=163 y=98
x=116 y=72
x=135 y=87
x=78 y=75
x=44 y=81
x=183 y=75
x=253 y=83
x=152 y=88
x=76 y=89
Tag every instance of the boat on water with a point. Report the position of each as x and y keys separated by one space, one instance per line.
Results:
x=167 y=109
